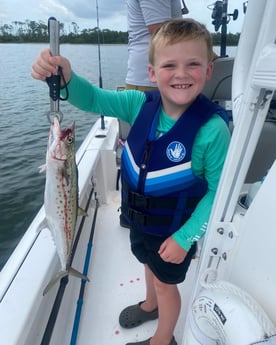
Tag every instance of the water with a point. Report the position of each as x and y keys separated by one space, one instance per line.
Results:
x=24 y=126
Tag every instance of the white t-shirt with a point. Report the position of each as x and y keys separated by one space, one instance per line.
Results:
x=142 y=13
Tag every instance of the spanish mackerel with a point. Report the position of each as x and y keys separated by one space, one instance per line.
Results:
x=61 y=195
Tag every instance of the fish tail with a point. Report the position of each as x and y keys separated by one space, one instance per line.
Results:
x=73 y=272
x=70 y=271
x=54 y=280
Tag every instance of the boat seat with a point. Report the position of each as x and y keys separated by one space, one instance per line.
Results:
x=219 y=87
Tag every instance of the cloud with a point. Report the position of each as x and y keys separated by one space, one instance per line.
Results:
x=85 y=10
x=112 y=13
x=51 y=7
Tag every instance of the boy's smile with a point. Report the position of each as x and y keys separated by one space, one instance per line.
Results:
x=181 y=86
x=180 y=71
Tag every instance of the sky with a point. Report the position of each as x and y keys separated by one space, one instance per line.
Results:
x=112 y=13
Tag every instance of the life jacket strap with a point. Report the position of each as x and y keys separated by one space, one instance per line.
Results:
x=141 y=218
x=140 y=201
x=147 y=202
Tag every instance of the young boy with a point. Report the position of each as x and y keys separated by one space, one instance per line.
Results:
x=171 y=163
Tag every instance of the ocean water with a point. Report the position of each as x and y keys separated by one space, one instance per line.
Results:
x=24 y=127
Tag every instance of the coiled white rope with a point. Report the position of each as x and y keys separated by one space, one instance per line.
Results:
x=264 y=321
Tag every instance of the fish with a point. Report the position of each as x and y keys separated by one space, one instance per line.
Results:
x=61 y=196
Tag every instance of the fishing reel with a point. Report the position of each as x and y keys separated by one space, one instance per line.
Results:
x=220 y=15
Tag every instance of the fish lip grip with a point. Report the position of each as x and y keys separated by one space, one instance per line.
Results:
x=54 y=93
x=55 y=79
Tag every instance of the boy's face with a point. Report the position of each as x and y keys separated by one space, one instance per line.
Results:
x=180 y=71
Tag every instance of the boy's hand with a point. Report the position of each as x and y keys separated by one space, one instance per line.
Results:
x=170 y=251
x=45 y=65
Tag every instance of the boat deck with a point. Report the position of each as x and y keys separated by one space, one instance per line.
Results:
x=116 y=281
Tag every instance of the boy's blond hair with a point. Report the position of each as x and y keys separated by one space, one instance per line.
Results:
x=177 y=30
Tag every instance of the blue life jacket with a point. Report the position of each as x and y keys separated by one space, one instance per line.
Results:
x=159 y=189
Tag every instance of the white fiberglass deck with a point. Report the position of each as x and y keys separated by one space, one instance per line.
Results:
x=117 y=280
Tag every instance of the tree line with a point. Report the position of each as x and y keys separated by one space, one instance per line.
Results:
x=31 y=31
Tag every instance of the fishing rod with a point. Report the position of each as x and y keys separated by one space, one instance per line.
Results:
x=99 y=57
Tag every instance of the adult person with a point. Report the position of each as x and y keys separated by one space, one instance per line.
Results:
x=143 y=18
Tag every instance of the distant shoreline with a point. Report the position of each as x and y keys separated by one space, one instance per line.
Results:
x=37 y=32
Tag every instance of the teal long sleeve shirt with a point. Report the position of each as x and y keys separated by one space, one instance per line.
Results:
x=208 y=153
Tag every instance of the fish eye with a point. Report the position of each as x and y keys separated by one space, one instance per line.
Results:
x=70 y=140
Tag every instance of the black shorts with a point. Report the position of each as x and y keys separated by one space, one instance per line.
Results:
x=145 y=248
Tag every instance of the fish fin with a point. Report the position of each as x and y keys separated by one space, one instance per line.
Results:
x=81 y=212
x=73 y=272
x=42 y=225
x=54 y=280
x=42 y=168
